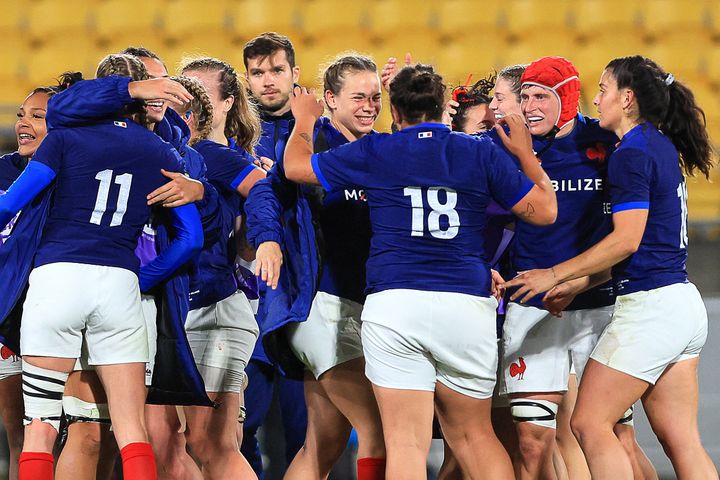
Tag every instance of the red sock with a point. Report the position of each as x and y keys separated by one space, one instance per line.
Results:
x=36 y=466
x=138 y=462
x=371 y=469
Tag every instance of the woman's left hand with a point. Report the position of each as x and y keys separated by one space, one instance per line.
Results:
x=531 y=283
x=180 y=190
x=304 y=103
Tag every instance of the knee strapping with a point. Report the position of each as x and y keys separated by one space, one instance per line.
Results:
x=77 y=410
x=538 y=412
x=627 y=418
x=42 y=394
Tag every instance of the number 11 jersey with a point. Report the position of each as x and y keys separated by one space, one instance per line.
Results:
x=428 y=189
x=104 y=173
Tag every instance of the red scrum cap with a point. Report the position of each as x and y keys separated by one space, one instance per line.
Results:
x=559 y=76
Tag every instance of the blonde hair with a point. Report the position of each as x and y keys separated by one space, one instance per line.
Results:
x=243 y=121
x=200 y=106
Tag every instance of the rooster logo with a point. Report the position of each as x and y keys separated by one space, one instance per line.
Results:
x=518 y=370
x=596 y=153
x=6 y=353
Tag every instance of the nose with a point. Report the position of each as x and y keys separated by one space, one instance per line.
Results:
x=596 y=100
x=268 y=78
x=493 y=104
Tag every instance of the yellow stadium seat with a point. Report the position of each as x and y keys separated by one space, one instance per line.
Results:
x=461 y=56
x=249 y=18
x=126 y=17
x=13 y=18
x=527 y=49
x=599 y=17
x=592 y=57
x=468 y=17
x=424 y=46
x=11 y=96
x=313 y=57
x=703 y=199
x=51 y=59
x=14 y=50
x=660 y=17
x=531 y=20
x=323 y=18
x=682 y=52
x=188 y=18
x=204 y=46
x=48 y=18
x=711 y=63
x=392 y=17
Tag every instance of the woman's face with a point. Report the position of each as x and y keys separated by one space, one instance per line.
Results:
x=504 y=101
x=479 y=119
x=356 y=107
x=211 y=82
x=609 y=102
x=30 y=128
x=155 y=108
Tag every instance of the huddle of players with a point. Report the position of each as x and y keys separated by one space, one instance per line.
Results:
x=428 y=342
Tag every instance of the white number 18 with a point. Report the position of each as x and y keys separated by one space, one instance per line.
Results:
x=437 y=211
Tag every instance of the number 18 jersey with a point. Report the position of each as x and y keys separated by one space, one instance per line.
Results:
x=103 y=173
x=427 y=189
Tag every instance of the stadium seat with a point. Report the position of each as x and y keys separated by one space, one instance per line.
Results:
x=466 y=17
x=591 y=57
x=122 y=17
x=661 y=17
x=599 y=17
x=531 y=19
x=463 y=55
x=182 y=19
x=312 y=56
x=13 y=18
x=682 y=52
x=48 y=19
x=218 y=45
x=51 y=59
x=529 y=48
x=250 y=18
x=395 y=17
x=321 y=19
x=711 y=63
x=14 y=50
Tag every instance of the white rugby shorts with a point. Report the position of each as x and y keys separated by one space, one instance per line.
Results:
x=652 y=329
x=330 y=335
x=413 y=339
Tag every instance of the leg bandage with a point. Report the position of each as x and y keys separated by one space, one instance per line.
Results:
x=627 y=418
x=77 y=410
x=42 y=394
x=539 y=412
x=242 y=415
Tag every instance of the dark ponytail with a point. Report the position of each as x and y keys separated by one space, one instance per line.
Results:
x=669 y=105
x=418 y=93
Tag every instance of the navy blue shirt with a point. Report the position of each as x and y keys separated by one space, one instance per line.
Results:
x=644 y=173
x=104 y=173
x=577 y=167
x=214 y=277
x=11 y=166
x=428 y=190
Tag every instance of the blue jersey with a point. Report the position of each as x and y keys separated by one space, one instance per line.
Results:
x=104 y=173
x=214 y=278
x=428 y=190
x=644 y=173
x=11 y=166
x=577 y=167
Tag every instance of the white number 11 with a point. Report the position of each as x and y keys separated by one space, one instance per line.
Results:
x=105 y=178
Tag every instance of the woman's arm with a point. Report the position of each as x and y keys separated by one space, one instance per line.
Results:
x=623 y=241
x=306 y=109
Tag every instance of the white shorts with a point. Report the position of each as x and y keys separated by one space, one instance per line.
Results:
x=69 y=301
x=413 y=339
x=10 y=364
x=538 y=347
x=149 y=310
x=653 y=329
x=330 y=335
x=222 y=336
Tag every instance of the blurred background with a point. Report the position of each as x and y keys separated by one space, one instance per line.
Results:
x=40 y=39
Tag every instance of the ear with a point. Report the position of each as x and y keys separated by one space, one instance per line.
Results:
x=396 y=117
x=189 y=118
x=228 y=103
x=330 y=100
x=627 y=98
x=296 y=74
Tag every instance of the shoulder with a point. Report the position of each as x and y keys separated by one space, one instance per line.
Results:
x=592 y=132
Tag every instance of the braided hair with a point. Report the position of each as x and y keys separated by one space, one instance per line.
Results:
x=125 y=66
x=243 y=120
x=418 y=94
x=200 y=106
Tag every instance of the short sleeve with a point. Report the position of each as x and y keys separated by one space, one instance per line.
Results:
x=629 y=178
x=229 y=167
x=507 y=184
x=349 y=165
x=50 y=151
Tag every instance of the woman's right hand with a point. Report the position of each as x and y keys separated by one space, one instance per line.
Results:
x=519 y=142
x=390 y=70
x=269 y=259
x=159 y=89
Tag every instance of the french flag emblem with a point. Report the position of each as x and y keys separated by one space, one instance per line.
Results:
x=424 y=134
x=120 y=124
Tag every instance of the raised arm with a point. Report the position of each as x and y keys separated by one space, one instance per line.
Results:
x=306 y=109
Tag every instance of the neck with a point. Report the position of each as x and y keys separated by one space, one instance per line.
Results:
x=626 y=124
x=278 y=113
x=350 y=136
x=217 y=135
x=566 y=129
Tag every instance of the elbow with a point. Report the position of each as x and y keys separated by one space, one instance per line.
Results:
x=546 y=215
x=628 y=247
x=292 y=172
